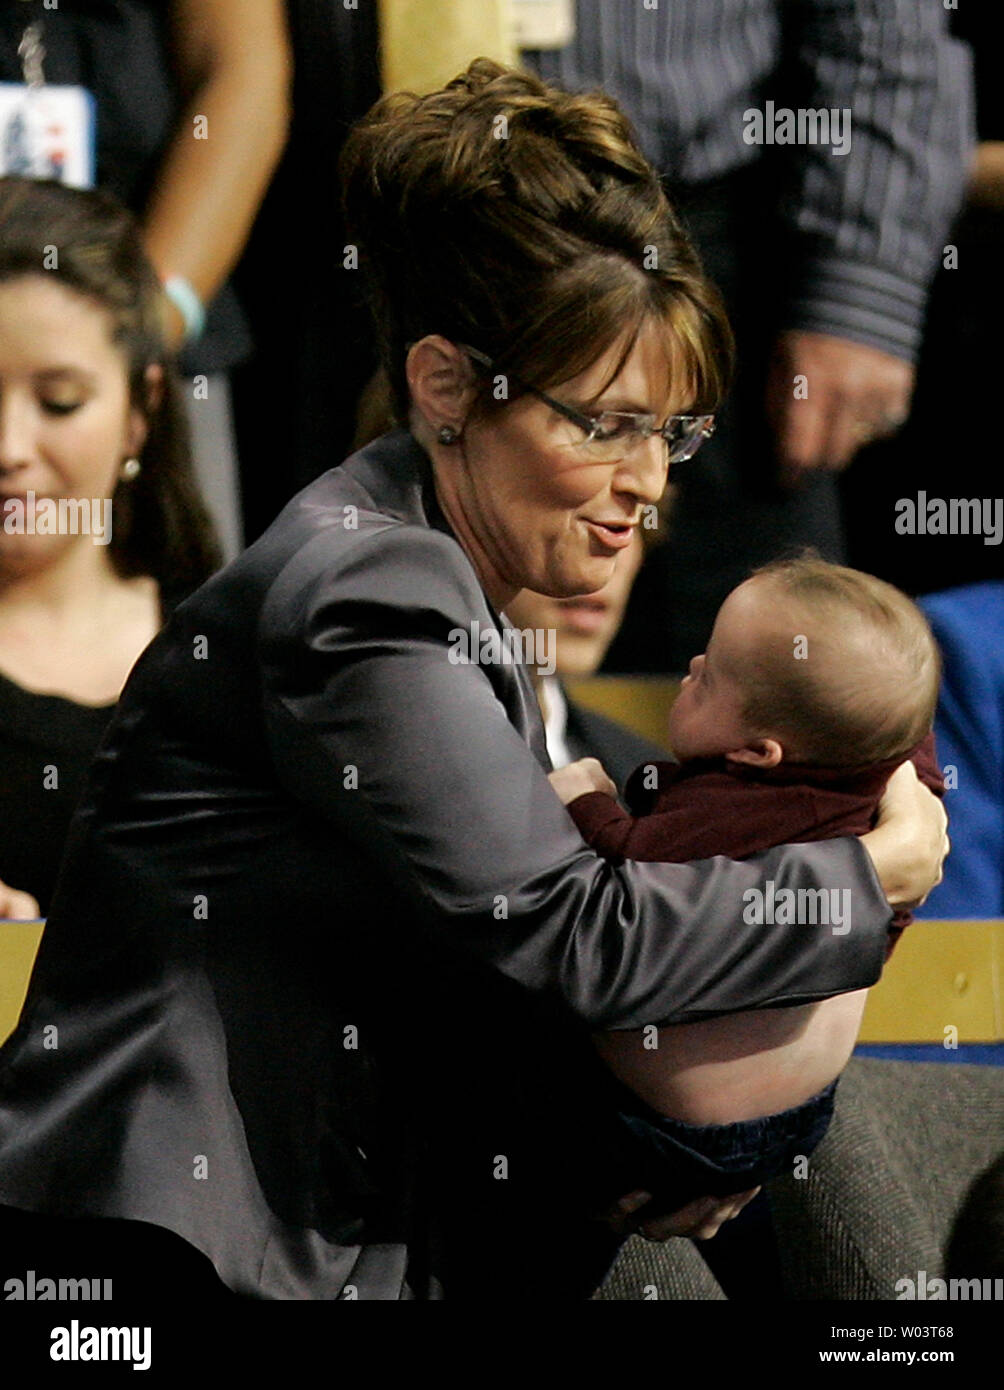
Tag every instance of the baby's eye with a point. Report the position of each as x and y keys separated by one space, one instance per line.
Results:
x=61 y=407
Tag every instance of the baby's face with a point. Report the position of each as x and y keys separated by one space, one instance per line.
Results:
x=706 y=718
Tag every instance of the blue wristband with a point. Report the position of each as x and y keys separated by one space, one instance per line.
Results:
x=188 y=304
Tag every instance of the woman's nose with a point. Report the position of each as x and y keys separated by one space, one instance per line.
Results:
x=645 y=469
x=17 y=443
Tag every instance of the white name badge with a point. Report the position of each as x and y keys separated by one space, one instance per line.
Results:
x=543 y=23
x=47 y=133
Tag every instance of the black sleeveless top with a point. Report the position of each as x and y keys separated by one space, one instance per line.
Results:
x=46 y=746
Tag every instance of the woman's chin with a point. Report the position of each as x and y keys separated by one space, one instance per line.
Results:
x=21 y=556
x=586 y=578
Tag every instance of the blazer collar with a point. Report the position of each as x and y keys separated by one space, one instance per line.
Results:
x=397 y=473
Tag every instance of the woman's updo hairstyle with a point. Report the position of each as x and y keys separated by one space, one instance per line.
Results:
x=523 y=221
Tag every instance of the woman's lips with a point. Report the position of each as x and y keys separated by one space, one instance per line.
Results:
x=614 y=535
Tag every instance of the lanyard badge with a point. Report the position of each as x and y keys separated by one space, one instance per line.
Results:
x=543 y=23
x=46 y=132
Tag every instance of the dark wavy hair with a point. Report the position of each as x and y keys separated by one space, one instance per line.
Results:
x=524 y=221
x=161 y=525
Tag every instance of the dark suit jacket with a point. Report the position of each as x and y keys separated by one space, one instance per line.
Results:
x=323 y=929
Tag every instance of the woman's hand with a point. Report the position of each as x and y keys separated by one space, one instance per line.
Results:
x=700 y=1219
x=910 y=841
x=16 y=906
x=578 y=778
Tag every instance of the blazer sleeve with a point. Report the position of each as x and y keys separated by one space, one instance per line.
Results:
x=362 y=690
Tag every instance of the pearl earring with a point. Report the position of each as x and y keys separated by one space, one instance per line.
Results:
x=448 y=435
x=130 y=470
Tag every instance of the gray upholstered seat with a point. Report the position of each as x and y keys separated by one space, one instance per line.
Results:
x=880 y=1196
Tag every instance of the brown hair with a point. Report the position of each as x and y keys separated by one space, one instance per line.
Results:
x=93 y=245
x=523 y=221
x=841 y=716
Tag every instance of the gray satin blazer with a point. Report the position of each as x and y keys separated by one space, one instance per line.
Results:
x=324 y=936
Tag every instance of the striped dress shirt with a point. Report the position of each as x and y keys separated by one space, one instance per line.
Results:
x=870 y=226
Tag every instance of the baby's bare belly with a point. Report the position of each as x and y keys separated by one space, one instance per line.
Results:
x=739 y=1067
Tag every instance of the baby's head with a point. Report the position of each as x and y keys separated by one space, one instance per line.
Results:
x=811 y=663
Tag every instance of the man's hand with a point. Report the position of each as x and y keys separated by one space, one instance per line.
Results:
x=700 y=1219
x=577 y=779
x=851 y=395
x=17 y=906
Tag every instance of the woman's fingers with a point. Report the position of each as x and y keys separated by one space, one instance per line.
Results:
x=701 y=1220
x=910 y=841
x=694 y=1217
x=900 y=795
x=621 y=1216
x=925 y=804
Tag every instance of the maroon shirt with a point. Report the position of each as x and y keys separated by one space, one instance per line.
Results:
x=709 y=806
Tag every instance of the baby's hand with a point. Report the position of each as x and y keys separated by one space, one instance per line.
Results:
x=577 y=779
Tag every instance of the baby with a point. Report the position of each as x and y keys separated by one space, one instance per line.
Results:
x=818 y=681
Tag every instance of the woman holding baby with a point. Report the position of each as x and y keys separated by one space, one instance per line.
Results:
x=324 y=922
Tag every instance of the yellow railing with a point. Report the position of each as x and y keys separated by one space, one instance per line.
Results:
x=641 y=703
x=18 y=948
x=944 y=982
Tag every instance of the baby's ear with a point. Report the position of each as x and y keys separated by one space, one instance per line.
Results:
x=760 y=752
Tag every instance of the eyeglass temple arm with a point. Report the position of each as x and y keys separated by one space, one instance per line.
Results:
x=585 y=422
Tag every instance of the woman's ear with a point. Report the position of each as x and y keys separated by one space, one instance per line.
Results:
x=153 y=384
x=139 y=419
x=441 y=382
x=759 y=752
